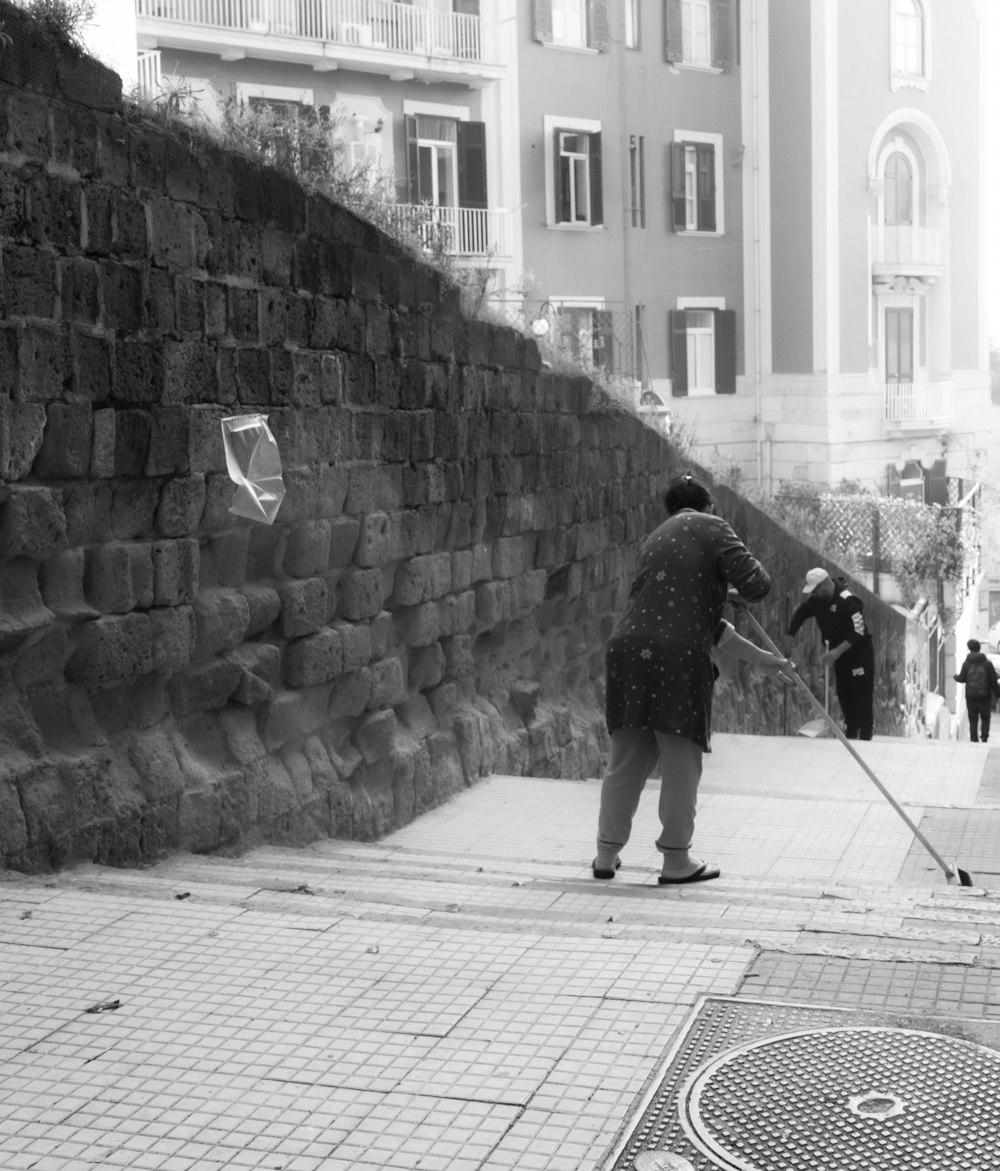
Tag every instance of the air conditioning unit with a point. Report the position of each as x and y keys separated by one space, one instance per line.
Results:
x=356 y=34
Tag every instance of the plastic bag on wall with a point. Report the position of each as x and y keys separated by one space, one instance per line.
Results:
x=254 y=465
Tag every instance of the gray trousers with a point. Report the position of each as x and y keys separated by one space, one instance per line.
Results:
x=634 y=755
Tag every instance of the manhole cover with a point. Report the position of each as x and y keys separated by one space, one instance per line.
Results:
x=870 y=1099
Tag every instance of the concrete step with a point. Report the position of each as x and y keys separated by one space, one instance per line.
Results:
x=383 y=883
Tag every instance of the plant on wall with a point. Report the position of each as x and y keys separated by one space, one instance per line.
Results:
x=63 y=20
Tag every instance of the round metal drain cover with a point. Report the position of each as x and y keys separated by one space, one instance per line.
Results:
x=864 y=1099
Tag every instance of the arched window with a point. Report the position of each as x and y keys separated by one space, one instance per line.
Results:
x=908 y=38
x=898 y=189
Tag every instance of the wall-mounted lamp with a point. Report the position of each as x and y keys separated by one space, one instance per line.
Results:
x=540 y=325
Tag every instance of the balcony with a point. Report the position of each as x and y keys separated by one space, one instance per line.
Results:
x=472 y=232
x=901 y=250
x=401 y=41
x=916 y=406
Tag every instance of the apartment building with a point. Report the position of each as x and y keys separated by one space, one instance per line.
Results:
x=421 y=91
x=761 y=219
x=865 y=123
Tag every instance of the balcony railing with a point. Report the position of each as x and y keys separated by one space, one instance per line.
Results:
x=918 y=404
x=149 y=72
x=376 y=25
x=458 y=231
x=903 y=246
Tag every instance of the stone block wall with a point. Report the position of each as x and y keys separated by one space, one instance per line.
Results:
x=432 y=601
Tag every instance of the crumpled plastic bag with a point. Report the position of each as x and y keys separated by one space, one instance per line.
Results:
x=254 y=465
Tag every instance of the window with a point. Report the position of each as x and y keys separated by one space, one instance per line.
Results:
x=910 y=40
x=898 y=189
x=899 y=345
x=702 y=350
x=696 y=183
x=446 y=170
x=572 y=24
x=908 y=37
x=633 y=27
x=925 y=481
x=573 y=186
x=586 y=333
x=699 y=33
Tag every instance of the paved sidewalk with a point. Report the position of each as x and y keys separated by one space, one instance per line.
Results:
x=463 y=995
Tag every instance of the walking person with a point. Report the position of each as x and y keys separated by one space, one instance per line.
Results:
x=840 y=617
x=981 y=688
x=660 y=675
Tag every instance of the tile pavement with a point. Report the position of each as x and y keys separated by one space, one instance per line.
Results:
x=462 y=995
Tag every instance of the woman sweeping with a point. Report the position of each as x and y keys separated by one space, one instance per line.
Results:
x=660 y=675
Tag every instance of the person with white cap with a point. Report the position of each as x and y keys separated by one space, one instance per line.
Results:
x=840 y=617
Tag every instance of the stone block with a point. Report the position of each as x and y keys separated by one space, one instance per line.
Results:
x=303 y=607
x=169 y=442
x=132 y=429
x=264 y=605
x=315 y=658
x=509 y=557
x=493 y=602
x=119 y=577
x=260 y=671
x=374 y=736
x=482 y=563
x=418 y=625
x=459 y=660
x=104 y=440
x=359 y=594
x=380 y=628
x=203 y=687
x=65 y=450
x=292 y=717
x=181 y=505
x=153 y=756
x=356 y=639
x=379 y=541
x=421 y=579
x=206 y=450
x=32 y=521
x=426 y=667
x=388 y=683
x=62 y=583
x=176 y=566
x=175 y=634
x=350 y=694
x=22 y=611
x=224 y=558
x=458 y=613
x=22 y=430
x=222 y=616
x=41 y=661
x=307 y=551
x=110 y=649
x=344 y=535
x=133 y=508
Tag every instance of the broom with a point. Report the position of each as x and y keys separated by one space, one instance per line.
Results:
x=953 y=872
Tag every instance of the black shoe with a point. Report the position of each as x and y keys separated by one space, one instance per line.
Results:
x=606 y=873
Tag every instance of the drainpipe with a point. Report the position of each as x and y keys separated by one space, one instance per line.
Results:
x=758 y=325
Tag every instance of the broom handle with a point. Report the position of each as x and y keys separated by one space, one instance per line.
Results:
x=850 y=748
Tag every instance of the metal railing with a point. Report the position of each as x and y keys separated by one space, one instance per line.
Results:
x=918 y=403
x=901 y=244
x=458 y=231
x=149 y=72
x=361 y=24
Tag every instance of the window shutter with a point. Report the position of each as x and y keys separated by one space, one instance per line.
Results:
x=673 y=30
x=725 y=351
x=472 y=164
x=722 y=34
x=596 y=192
x=597 y=25
x=936 y=483
x=678 y=353
x=678 y=217
x=412 y=159
x=706 y=187
x=561 y=187
x=892 y=480
x=543 y=21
